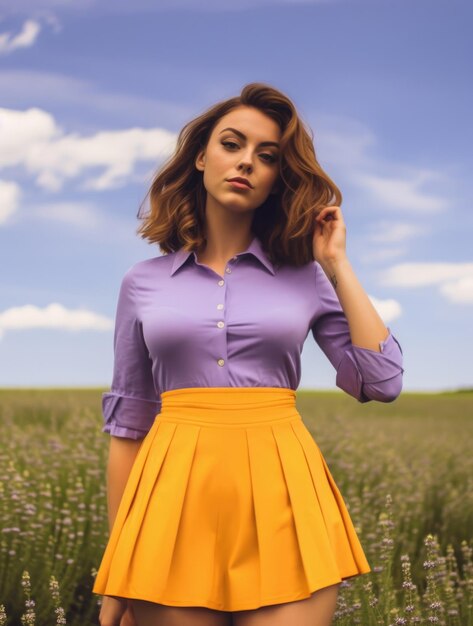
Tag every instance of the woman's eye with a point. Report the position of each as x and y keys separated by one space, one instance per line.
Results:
x=271 y=158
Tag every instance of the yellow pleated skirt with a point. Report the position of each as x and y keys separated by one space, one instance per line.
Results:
x=229 y=505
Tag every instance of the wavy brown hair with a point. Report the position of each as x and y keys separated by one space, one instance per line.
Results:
x=284 y=223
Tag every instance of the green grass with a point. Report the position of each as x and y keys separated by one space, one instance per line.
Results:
x=405 y=470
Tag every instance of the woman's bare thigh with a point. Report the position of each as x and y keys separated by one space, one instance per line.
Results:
x=152 y=614
x=317 y=610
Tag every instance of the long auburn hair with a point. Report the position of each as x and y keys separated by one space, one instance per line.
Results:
x=284 y=222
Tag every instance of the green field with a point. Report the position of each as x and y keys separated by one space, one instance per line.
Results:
x=405 y=470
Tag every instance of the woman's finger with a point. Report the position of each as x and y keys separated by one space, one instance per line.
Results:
x=327 y=213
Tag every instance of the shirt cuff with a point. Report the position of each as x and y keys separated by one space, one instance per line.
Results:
x=371 y=375
x=127 y=416
x=377 y=366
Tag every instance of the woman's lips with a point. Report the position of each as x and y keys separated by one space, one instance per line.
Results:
x=238 y=185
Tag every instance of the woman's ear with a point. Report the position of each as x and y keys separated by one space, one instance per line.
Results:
x=200 y=161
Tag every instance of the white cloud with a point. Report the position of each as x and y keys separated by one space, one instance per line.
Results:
x=382 y=254
x=24 y=39
x=388 y=310
x=54 y=316
x=455 y=280
x=341 y=140
x=389 y=233
x=52 y=20
x=52 y=90
x=402 y=193
x=77 y=214
x=9 y=198
x=459 y=291
x=388 y=240
x=85 y=219
x=422 y=274
x=144 y=6
x=32 y=139
x=21 y=131
x=349 y=147
x=41 y=8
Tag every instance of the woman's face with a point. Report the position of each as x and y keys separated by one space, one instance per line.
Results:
x=229 y=154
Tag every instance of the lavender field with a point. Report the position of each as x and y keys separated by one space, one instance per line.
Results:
x=405 y=470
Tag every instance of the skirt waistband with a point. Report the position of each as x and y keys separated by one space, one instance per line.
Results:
x=237 y=406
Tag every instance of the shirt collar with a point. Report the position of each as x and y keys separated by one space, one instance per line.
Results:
x=255 y=248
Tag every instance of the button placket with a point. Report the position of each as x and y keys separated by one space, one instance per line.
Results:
x=220 y=323
x=221 y=306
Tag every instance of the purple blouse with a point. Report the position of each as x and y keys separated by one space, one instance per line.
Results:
x=180 y=324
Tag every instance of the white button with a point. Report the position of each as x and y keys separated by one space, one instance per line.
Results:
x=221 y=282
x=219 y=306
x=221 y=362
x=228 y=270
x=220 y=324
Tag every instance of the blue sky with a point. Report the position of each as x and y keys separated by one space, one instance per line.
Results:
x=92 y=99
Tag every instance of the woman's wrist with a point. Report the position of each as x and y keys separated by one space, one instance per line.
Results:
x=333 y=266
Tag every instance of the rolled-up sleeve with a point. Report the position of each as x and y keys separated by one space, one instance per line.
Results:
x=362 y=373
x=131 y=405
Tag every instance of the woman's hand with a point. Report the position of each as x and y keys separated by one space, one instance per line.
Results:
x=116 y=612
x=329 y=242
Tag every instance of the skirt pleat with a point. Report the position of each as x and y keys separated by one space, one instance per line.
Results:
x=230 y=505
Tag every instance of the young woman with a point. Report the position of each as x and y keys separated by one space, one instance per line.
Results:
x=222 y=509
